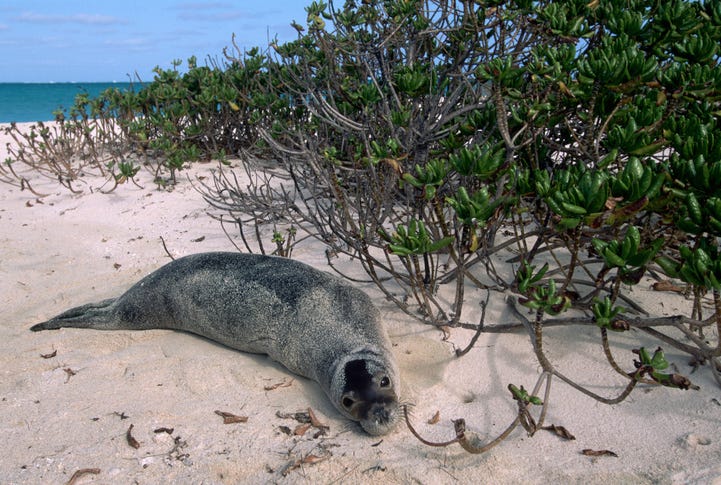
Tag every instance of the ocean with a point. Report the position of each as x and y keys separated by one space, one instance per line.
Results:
x=23 y=102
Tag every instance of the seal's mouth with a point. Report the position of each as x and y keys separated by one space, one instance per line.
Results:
x=377 y=415
x=380 y=418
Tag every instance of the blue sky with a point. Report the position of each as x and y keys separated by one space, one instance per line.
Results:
x=107 y=40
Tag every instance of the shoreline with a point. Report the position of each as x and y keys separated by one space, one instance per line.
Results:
x=72 y=411
x=40 y=100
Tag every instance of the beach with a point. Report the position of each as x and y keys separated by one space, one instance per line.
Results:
x=142 y=407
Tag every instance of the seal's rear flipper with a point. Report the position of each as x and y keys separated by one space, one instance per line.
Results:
x=92 y=315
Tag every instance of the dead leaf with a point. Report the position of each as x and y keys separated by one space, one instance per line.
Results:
x=200 y=239
x=436 y=417
x=301 y=417
x=589 y=452
x=301 y=429
x=117 y=265
x=129 y=437
x=229 y=418
x=622 y=213
x=559 y=431
x=611 y=202
x=666 y=285
x=81 y=472
x=284 y=383
x=314 y=420
x=596 y=222
x=312 y=459
x=564 y=89
x=70 y=374
x=163 y=430
x=307 y=460
x=50 y=355
x=682 y=382
x=394 y=164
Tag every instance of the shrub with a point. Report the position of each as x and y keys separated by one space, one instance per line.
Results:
x=587 y=131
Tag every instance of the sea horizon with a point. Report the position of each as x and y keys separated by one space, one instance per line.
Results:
x=23 y=102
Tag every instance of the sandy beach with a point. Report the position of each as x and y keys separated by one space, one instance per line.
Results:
x=71 y=399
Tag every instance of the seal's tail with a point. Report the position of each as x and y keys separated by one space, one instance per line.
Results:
x=92 y=315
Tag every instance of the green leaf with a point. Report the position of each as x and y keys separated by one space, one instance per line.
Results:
x=669 y=266
x=521 y=394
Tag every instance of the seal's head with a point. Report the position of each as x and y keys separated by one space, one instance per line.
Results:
x=368 y=392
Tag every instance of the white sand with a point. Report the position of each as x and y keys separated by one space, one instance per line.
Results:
x=67 y=250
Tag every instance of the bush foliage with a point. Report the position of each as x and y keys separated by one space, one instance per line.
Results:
x=422 y=138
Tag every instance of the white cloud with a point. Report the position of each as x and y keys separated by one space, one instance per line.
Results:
x=214 y=12
x=78 y=18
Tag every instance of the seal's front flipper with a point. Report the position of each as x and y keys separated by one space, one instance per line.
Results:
x=92 y=315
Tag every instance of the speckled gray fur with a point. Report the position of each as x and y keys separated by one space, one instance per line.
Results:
x=308 y=320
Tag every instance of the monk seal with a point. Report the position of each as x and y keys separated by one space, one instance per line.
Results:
x=312 y=322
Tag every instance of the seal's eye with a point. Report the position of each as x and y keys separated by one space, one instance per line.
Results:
x=347 y=402
x=385 y=382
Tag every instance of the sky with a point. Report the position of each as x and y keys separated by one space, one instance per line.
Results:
x=110 y=40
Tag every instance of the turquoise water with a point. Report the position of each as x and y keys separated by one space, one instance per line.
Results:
x=36 y=102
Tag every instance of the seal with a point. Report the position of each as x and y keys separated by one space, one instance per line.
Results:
x=312 y=322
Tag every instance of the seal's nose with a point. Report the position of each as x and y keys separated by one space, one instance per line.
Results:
x=381 y=414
